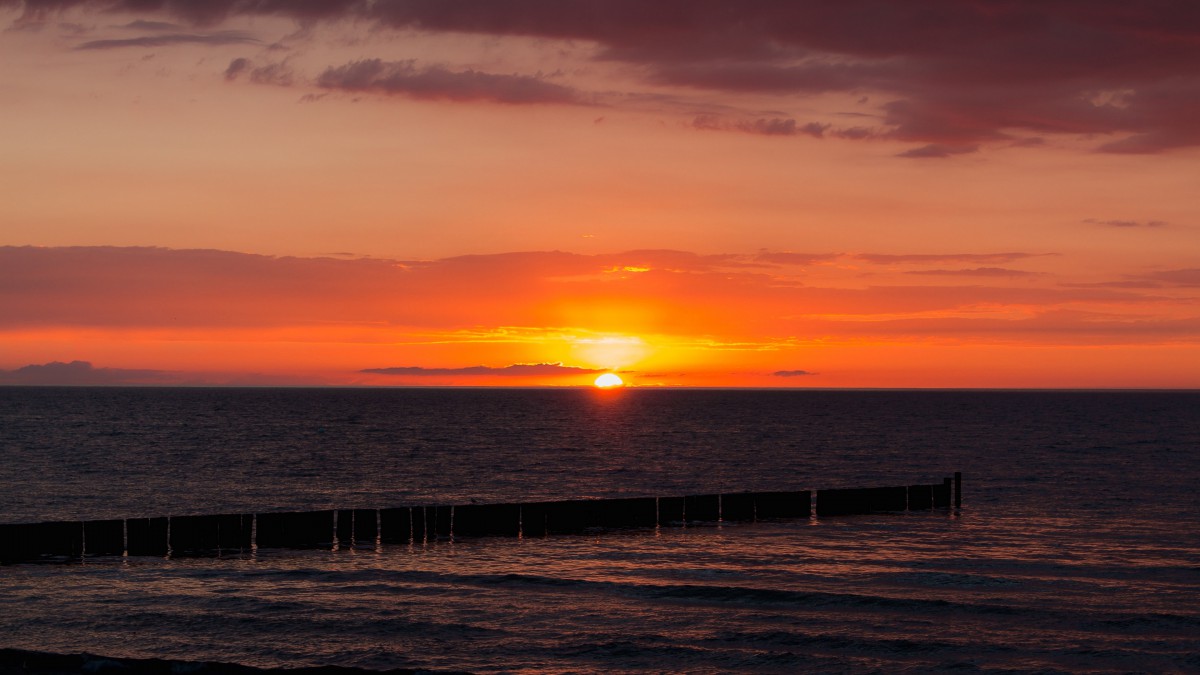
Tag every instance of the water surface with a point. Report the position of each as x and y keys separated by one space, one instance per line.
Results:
x=1078 y=547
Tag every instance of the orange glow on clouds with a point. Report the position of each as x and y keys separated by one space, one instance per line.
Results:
x=359 y=193
x=546 y=319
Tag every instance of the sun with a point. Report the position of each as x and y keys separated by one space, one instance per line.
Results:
x=609 y=380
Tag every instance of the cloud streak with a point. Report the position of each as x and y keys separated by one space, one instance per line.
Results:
x=221 y=38
x=940 y=258
x=1126 y=223
x=974 y=272
x=406 y=78
x=938 y=151
x=1184 y=277
x=514 y=370
x=763 y=126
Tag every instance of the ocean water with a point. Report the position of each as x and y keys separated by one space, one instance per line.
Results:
x=1077 y=547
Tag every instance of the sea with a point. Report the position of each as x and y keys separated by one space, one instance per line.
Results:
x=1076 y=548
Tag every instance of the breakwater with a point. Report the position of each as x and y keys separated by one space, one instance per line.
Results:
x=337 y=529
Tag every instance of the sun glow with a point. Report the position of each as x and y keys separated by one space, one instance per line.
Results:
x=609 y=380
x=609 y=351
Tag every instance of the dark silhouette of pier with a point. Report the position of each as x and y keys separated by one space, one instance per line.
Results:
x=207 y=535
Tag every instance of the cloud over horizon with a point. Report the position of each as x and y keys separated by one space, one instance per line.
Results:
x=82 y=373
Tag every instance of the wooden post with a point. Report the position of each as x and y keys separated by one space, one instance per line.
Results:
x=958 y=489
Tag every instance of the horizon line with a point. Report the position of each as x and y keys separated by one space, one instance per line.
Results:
x=588 y=387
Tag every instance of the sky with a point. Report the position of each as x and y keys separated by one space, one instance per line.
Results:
x=930 y=193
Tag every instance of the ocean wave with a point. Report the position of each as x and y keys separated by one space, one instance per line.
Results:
x=46 y=663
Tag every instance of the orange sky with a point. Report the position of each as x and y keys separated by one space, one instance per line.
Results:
x=694 y=194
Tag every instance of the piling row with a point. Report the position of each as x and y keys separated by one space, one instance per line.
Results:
x=350 y=528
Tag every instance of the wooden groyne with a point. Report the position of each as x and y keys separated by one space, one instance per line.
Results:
x=347 y=528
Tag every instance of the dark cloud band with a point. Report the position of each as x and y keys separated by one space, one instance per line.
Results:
x=950 y=76
x=958 y=74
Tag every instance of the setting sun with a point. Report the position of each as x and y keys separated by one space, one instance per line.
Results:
x=609 y=380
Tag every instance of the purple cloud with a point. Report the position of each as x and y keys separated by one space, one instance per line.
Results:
x=221 y=38
x=764 y=126
x=438 y=83
x=236 y=68
x=951 y=75
x=156 y=26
